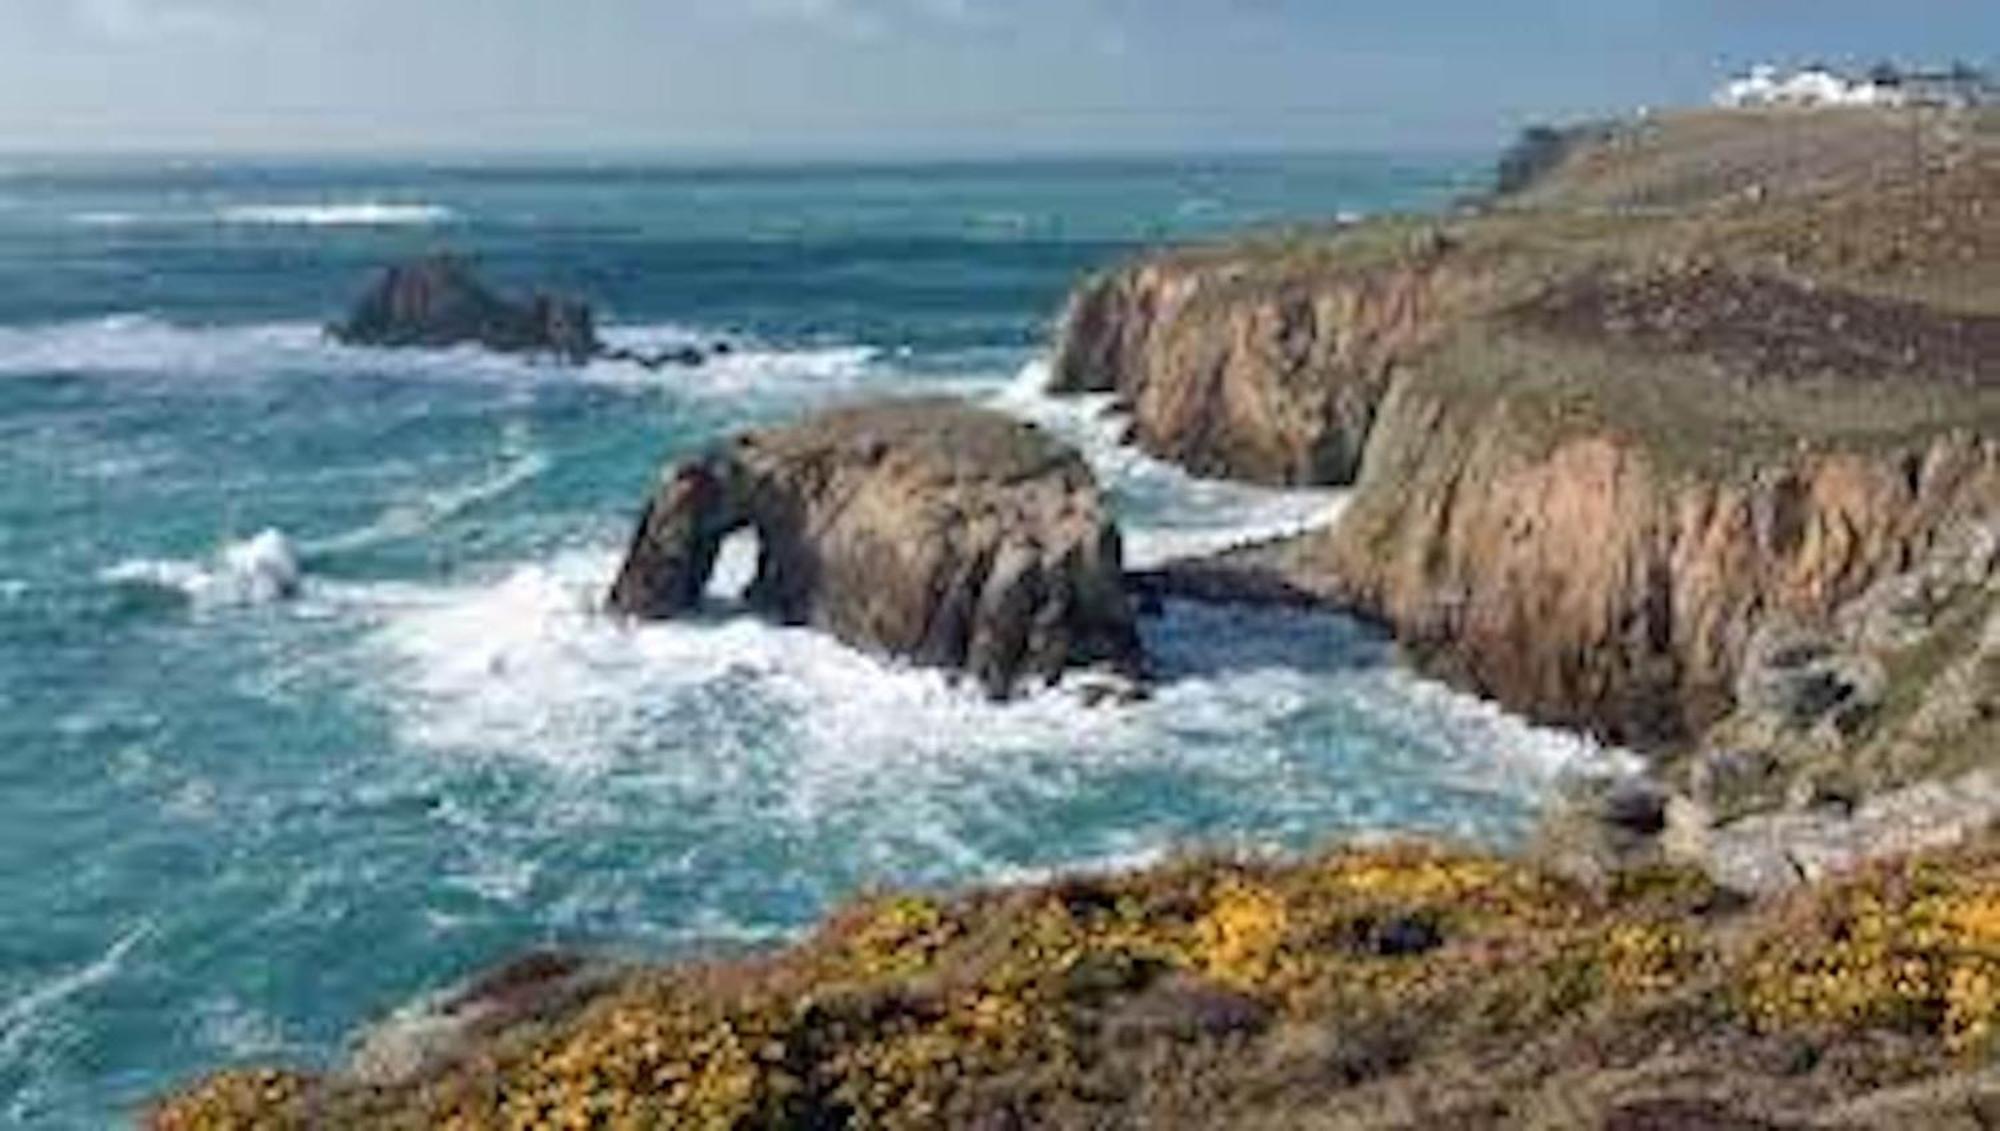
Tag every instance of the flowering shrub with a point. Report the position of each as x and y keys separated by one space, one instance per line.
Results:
x=914 y=1011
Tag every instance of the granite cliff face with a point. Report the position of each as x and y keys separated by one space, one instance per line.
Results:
x=1588 y=584
x=930 y=530
x=1597 y=443
x=1276 y=384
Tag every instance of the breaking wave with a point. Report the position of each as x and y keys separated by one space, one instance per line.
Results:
x=261 y=570
x=144 y=346
x=1181 y=515
x=348 y=214
x=1273 y=727
x=357 y=214
x=270 y=567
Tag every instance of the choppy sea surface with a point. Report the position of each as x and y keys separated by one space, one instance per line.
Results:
x=235 y=826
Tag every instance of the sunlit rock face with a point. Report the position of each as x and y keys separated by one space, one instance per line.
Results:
x=929 y=530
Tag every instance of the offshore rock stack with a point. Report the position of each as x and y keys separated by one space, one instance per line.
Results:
x=439 y=301
x=929 y=530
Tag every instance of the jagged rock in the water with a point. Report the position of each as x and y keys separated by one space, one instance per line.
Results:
x=930 y=530
x=438 y=301
x=686 y=357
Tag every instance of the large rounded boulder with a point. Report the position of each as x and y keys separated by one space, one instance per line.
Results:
x=930 y=530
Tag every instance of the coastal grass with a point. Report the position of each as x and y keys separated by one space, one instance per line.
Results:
x=1333 y=990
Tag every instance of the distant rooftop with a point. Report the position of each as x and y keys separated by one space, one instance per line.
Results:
x=1959 y=86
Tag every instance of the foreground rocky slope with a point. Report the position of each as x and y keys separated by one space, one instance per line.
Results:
x=1394 y=987
x=929 y=530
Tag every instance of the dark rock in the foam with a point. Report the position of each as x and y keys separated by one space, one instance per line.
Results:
x=439 y=301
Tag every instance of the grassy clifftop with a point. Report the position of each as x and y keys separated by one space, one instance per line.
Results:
x=1830 y=276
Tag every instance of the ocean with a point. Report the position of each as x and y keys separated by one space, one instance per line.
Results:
x=236 y=825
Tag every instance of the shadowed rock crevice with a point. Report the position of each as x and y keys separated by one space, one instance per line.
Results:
x=929 y=530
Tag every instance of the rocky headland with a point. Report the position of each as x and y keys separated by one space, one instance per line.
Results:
x=1703 y=379
x=1688 y=440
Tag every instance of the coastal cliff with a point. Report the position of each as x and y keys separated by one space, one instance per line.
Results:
x=1700 y=375
x=1694 y=443
x=1586 y=579
x=1275 y=380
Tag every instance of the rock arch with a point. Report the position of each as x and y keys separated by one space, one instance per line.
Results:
x=946 y=535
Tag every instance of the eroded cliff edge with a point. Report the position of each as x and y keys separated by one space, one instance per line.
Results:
x=1710 y=373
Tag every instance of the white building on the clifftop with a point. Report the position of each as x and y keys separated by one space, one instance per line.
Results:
x=1957 y=88
x=1812 y=87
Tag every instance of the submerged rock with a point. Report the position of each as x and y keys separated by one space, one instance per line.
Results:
x=947 y=535
x=438 y=301
x=686 y=357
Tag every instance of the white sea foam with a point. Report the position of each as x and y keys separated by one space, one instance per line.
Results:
x=348 y=214
x=237 y=1031
x=1178 y=515
x=20 y=1017
x=268 y=567
x=106 y=219
x=324 y=214
x=255 y=571
x=137 y=343
x=213 y=357
x=747 y=723
x=414 y=516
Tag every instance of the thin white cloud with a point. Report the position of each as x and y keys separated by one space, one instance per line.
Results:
x=144 y=21
x=874 y=19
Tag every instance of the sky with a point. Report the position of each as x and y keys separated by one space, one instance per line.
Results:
x=897 y=77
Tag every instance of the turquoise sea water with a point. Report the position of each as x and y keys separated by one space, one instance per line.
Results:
x=235 y=828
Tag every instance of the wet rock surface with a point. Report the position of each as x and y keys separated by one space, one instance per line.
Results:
x=440 y=301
